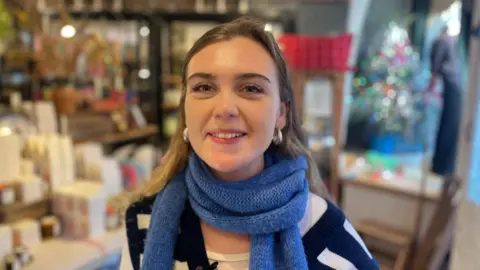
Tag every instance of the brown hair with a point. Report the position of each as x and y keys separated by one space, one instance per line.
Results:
x=293 y=138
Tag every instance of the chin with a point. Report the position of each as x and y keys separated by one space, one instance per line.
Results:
x=234 y=167
x=225 y=162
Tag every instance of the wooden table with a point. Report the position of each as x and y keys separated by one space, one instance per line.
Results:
x=390 y=202
x=399 y=188
x=18 y=211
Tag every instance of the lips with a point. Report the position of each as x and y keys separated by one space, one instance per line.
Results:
x=227 y=135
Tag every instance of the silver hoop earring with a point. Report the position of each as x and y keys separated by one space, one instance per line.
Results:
x=185 y=135
x=277 y=137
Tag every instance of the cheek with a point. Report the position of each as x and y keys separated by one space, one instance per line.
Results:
x=263 y=124
x=193 y=117
x=197 y=116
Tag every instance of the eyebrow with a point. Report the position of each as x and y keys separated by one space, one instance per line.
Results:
x=242 y=76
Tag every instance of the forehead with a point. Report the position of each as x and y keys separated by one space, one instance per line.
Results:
x=238 y=55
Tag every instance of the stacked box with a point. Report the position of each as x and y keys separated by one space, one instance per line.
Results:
x=111 y=176
x=27 y=167
x=81 y=207
x=6 y=240
x=29 y=189
x=46 y=117
x=88 y=156
x=27 y=233
x=10 y=157
x=54 y=162
x=68 y=160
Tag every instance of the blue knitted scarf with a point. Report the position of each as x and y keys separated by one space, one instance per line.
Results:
x=268 y=207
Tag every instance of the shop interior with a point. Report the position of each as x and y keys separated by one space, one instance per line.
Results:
x=90 y=90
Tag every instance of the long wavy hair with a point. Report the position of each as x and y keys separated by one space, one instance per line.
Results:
x=176 y=157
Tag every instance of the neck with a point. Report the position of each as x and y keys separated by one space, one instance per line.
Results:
x=251 y=169
x=223 y=242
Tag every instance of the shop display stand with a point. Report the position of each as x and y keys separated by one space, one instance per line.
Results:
x=434 y=243
x=149 y=93
x=416 y=250
x=300 y=79
x=27 y=86
x=159 y=44
x=421 y=200
x=321 y=57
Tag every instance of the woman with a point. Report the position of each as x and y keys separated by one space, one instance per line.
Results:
x=233 y=192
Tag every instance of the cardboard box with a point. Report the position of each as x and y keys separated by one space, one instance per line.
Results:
x=29 y=189
x=6 y=240
x=81 y=207
x=10 y=157
x=26 y=232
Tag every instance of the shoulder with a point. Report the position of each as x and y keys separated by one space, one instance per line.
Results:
x=137 y=221
x=138 y=213
x=316 y=207
x=137 y=216
x=330 y=240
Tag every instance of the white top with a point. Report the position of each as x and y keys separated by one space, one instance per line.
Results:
x=316 y=207
x=225 y=261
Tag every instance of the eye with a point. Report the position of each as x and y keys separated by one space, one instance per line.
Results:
x=202 y=88
x=253 y=89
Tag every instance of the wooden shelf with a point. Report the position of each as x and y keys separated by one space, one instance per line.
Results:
x=299 y=81
x=132 y=134
x=170 y=107
x=172 y=79
x=321 y=74
x=18 y=211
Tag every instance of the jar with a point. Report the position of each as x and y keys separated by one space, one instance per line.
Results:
x=65 y=100
x=51 y=227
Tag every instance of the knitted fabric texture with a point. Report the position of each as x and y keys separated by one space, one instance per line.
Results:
x=268 y=207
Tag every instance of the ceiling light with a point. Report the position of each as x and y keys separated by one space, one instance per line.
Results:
x=68 y=31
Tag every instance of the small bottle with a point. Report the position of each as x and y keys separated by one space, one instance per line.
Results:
x=112 y=218
x=12 y=263
x=15 y=101
x=23 y=255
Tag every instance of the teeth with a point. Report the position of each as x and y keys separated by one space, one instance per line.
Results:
x=227 y=135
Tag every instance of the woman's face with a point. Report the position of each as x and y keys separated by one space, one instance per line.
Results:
x=232 y=106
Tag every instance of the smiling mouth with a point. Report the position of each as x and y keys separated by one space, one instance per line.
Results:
x=227 y=135
x=226 y=138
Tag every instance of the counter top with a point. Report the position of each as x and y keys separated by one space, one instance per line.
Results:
x=61 y=254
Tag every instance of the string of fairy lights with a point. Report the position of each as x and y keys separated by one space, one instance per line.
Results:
x=389 y=82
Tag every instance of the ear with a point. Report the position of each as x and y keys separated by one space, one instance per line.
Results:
x=282 y=116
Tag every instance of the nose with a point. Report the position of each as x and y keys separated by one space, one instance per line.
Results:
x=226 y=104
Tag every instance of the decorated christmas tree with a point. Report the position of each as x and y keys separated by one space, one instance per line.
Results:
x=388 y=87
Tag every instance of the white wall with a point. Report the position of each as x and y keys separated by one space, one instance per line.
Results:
x=321 y=19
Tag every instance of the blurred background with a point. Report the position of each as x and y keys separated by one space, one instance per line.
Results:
x=89 y=93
